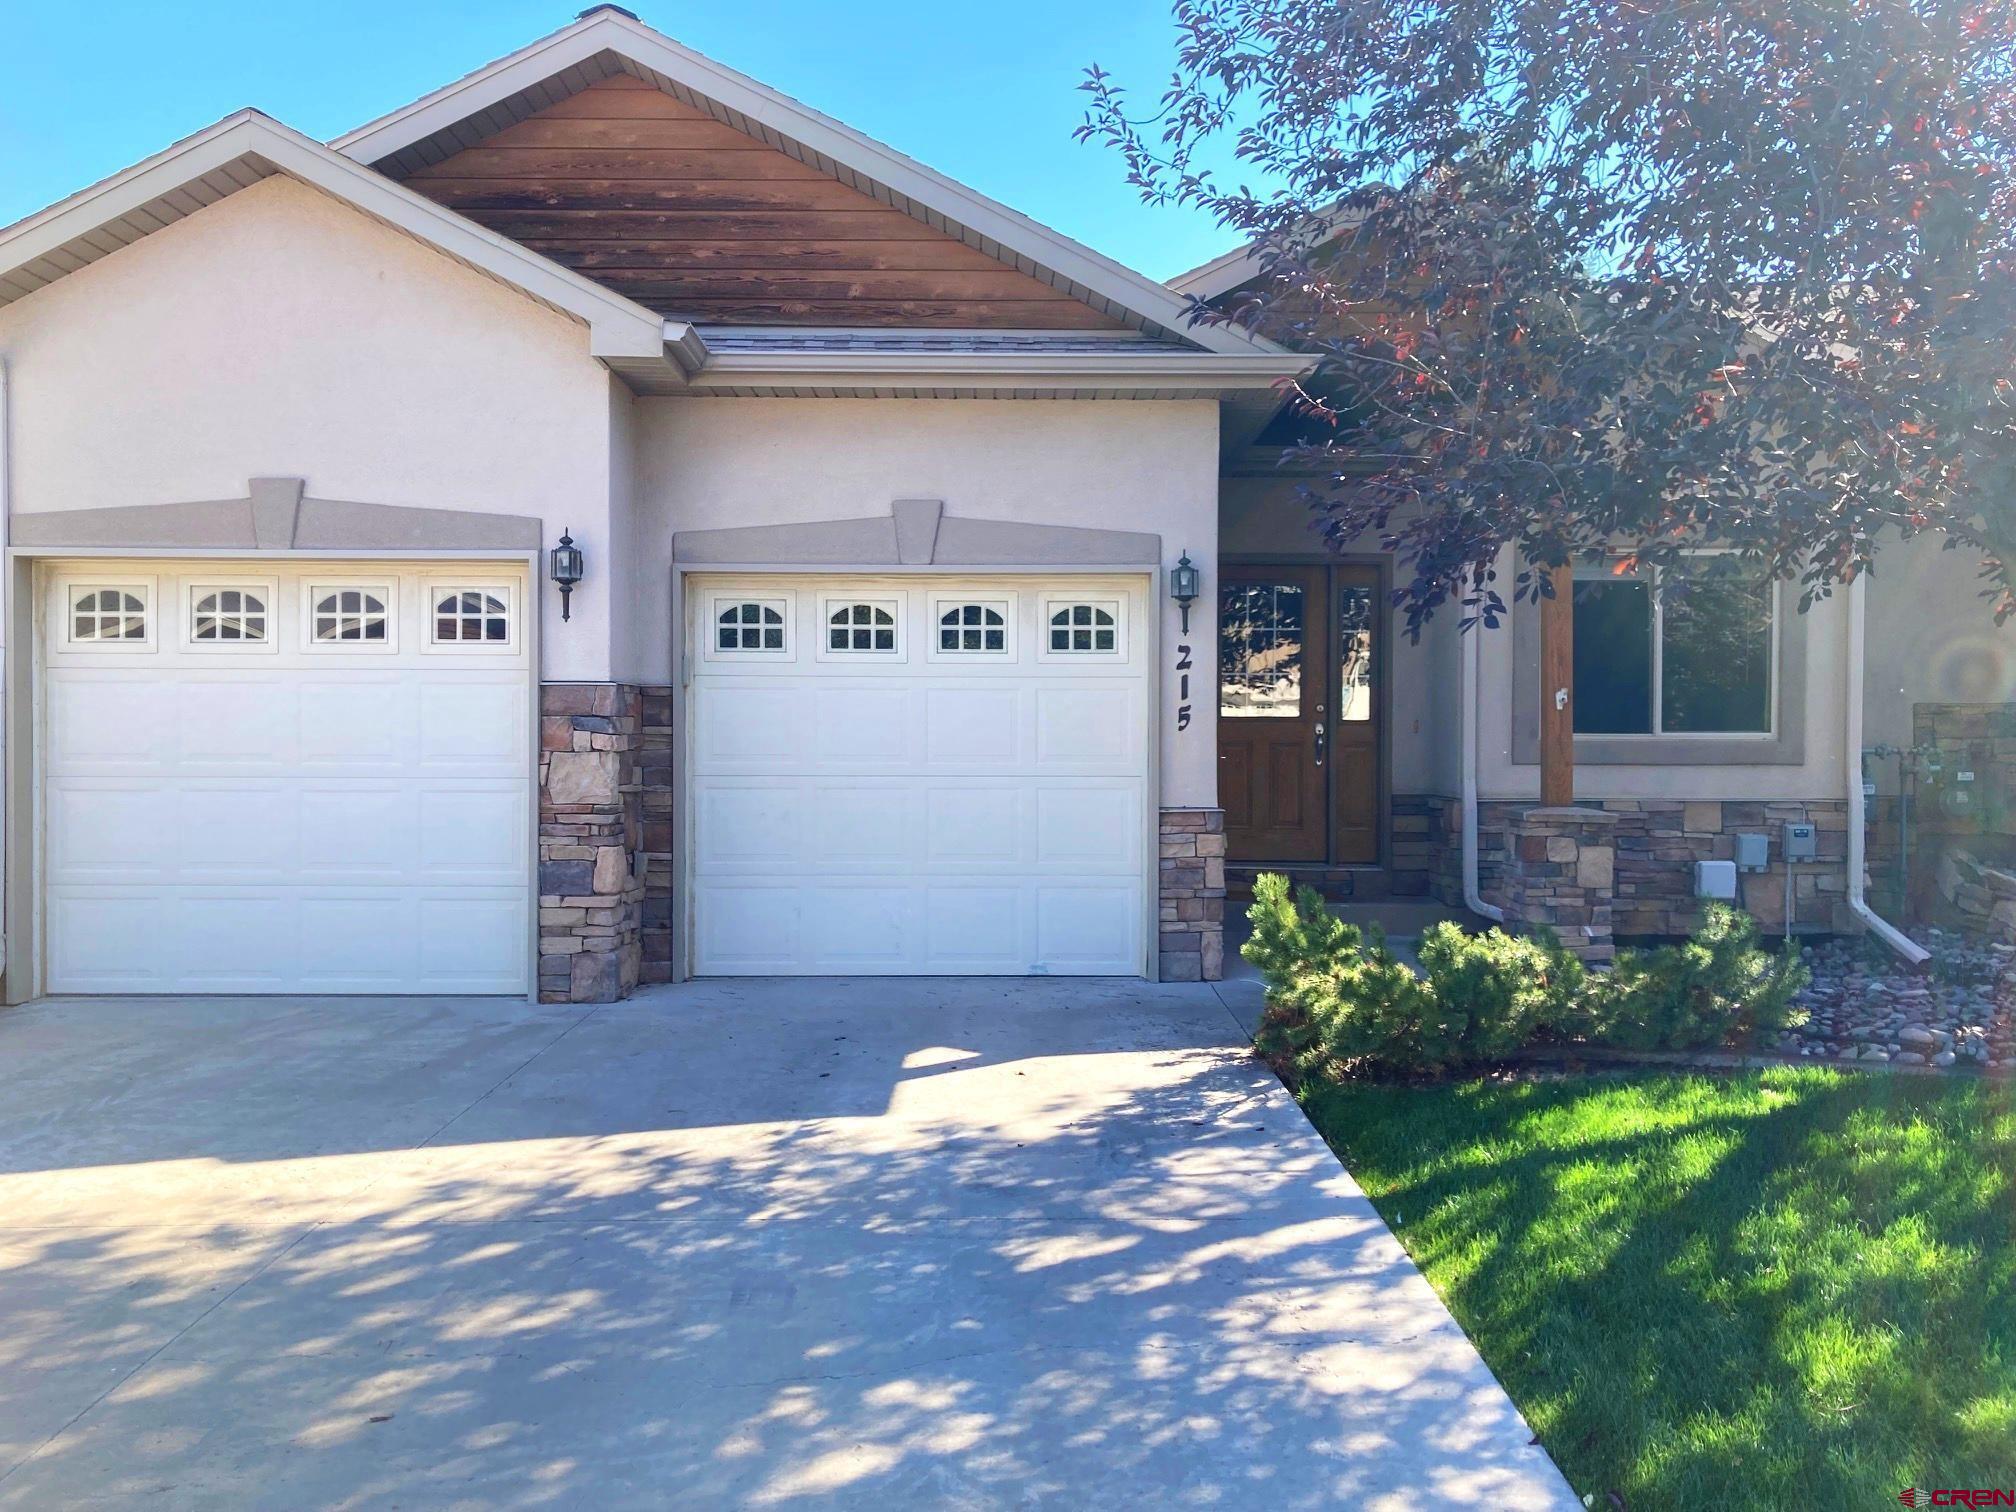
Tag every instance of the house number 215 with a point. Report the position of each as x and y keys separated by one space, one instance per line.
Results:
x=1183 y=687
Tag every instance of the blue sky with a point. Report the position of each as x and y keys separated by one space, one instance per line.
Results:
x=984 y=94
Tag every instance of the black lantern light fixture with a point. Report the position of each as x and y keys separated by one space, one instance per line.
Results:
x=1184 y=579
x=565 y=566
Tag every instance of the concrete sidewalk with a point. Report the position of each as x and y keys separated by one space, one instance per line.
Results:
x=856 y=1243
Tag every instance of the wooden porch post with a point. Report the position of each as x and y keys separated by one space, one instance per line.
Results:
x=1557 y=691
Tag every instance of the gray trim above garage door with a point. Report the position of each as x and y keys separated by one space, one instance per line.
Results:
x=915 y=533
x=274 y=516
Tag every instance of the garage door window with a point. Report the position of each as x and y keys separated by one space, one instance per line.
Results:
x=228 y=616
x=973 y=629
x=863 y=627
x=1084 y=628
x=745 y=627
x=109 y=616
x=351 y=617
x=471 y=617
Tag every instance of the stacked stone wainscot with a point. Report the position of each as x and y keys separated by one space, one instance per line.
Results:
x=591 y=888
x=1561 y=873
x=1192 y=887
x=659 y=857
x=1656 y=843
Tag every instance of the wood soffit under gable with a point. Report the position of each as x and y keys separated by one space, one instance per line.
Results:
x=690 y=216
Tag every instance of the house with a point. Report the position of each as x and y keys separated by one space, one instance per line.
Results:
x=876 y=483
x=1387 y=767
x=875 y=657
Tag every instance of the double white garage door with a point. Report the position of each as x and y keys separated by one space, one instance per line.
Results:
x=260 y=779
x=918 y=775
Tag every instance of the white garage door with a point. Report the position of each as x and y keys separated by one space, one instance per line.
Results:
x=286 y=780
x=916 y=776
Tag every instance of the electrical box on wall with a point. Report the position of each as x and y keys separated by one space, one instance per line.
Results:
x=1753 y=853
x=1715 y=879
x=1802 y=843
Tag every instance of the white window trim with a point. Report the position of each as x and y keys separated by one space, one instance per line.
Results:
x=432 y=590
x=145 y=585
x=786 y=604
x=1601 y=574
x=386 y=589
x=891 y=604
x=1113 y=604
x=1002 y=604
x=199 y=588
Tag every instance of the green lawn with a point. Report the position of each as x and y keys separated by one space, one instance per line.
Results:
x=1785 y=1289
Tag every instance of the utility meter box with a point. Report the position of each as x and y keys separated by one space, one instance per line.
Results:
x=1753 y=853
x=1802 y=843
x=1715 y=879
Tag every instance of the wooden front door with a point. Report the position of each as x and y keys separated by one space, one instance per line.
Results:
x=1298 y=712
x=1274 y=711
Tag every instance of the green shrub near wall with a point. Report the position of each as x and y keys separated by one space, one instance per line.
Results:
x=1339 y=999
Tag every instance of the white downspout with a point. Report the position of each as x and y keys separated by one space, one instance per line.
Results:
x=1473 y=899
x=1851 y=760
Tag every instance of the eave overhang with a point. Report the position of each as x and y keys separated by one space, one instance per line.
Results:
x=248 y=146
x=1155 y=373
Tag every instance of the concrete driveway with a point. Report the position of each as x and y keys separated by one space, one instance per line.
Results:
x=765 y=1244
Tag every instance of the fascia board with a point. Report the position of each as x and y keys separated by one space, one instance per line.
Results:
x=1218 y=276
x=1196 y=373
x=537 y=61
x=124 y=192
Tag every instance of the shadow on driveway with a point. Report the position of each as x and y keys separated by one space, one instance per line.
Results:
x=833 y=1243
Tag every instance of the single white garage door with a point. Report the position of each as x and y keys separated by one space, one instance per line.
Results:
x=263 y=779
x=919 y=776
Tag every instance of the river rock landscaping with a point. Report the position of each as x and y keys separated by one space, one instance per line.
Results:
x=1866 y=1005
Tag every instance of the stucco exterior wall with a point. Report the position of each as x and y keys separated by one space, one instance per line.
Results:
x=1151 y=467
x=1929 y=638
x=1268 y=517
x=280 y=333
x=635 y=637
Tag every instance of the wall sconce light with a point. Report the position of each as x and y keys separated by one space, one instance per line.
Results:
x=1184 y=579
x=565 y=565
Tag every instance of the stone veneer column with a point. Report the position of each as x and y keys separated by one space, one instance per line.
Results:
x=1192 y=881
x=657 y=804
x=1561 y=873
x=591 y=891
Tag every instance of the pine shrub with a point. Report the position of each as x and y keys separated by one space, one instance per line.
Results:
x=1717 y=986
x=1339 y=1000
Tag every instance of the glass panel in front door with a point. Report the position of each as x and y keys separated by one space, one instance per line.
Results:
x=1354 y=654
x=1260 y=636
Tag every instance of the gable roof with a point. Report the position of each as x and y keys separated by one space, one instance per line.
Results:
x=246 y=147
x=1220 y=276
x=607 y=41
x=1242 y=265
